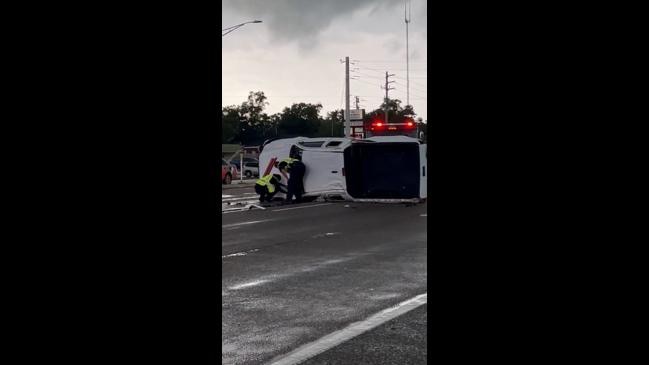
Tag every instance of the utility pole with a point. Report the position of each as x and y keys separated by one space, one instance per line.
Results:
x=407 y=19
x=357 y=103
x=347 y=122
x=387 y=88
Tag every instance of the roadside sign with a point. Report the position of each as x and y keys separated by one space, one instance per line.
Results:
x=356 y=114
x=357 y=132
x=356 y=123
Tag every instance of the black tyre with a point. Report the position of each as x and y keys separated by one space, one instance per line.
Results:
x=228 y=179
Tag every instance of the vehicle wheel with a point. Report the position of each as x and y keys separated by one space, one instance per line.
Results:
x=248 y=174
x=228 y=179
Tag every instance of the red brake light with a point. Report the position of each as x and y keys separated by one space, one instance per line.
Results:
x=409 y=124
x=379 y=124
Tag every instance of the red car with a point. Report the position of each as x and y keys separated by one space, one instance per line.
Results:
x=228 y=172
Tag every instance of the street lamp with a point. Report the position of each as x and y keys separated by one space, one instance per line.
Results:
x=230 y=29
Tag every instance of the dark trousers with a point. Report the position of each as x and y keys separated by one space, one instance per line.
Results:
x=264 y=195
x=296 y=182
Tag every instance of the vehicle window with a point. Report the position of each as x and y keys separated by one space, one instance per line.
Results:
x=312 y=144
x=334 y=143
x=253 y=164
x=223 y=163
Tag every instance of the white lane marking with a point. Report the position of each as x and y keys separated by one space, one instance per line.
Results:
x=226 y=196
x=234 y=255
x=244 y=223
x=237 y=210
x=424 y=215
x=239 y=200
x=307 y=206
x=334 y=261
x=328 y=234
x=247 y=285
x=305 y=269
x=240 y=253
x=329 y=341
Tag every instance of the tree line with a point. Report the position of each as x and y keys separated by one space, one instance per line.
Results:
x=249 y=125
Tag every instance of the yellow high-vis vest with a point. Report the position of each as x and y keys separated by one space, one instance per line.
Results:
x=289 y=161
x=265 y=181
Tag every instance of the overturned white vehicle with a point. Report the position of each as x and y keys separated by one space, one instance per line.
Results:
x=377 y=169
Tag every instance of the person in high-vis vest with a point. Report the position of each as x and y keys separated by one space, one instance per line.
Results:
x=284 y=165
x=296 y=169
x=268 y=186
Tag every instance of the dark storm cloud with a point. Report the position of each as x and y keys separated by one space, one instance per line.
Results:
x=302 y=20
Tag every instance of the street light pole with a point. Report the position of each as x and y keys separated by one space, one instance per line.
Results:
x=234 y=27
x=407 y=19
x=347 y=116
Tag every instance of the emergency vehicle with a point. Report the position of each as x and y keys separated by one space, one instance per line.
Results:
x=378 y=127
x=377 y=169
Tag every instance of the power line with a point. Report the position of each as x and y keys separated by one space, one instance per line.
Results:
x=395 y=69
x=374 y=67
x=375 y=77
x=416 y=96
x=416 y=99
x=281 y=96
x=416 y=93
x=382 y=71
x=412 y=82
x=411 y=86
x=422 y=85
x=367 y=82
x=365 y=61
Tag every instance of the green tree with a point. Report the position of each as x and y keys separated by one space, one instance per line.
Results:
x=407 y=111
x=332 y=125
x=253 y=125
x=273 y=125
x=301 y=119
x=396 y=113
x=230 y=117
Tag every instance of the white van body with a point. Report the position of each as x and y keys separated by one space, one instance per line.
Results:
x=377 y=169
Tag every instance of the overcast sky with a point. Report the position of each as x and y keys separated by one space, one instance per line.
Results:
x=294 y=55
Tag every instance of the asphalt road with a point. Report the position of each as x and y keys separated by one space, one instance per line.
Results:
x=397 y=342
x=293 y=275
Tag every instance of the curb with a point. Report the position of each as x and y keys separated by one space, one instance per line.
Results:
x=238 y=184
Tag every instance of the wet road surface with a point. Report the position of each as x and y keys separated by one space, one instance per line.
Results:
x=292 y=275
